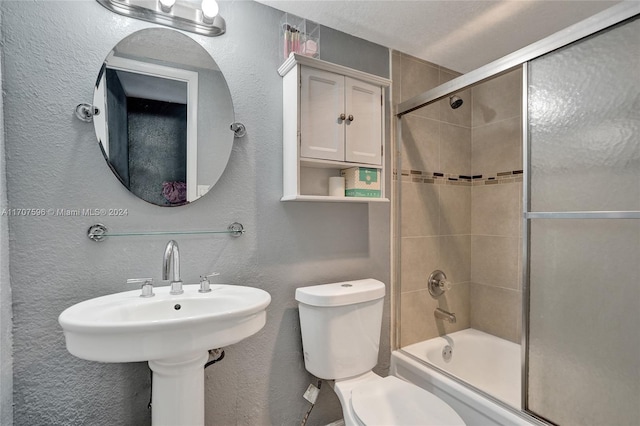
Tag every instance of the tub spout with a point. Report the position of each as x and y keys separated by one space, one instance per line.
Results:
x=444 y=315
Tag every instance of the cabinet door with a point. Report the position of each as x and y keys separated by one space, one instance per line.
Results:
x=321 y=104
x=364 y=122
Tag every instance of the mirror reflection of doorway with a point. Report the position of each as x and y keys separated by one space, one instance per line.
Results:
x=147 y=135
x=150 y=130
x=157 y=150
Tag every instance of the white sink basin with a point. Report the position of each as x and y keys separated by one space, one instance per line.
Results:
x=125 y=327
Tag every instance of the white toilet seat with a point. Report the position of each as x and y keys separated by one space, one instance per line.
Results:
x=392 y=401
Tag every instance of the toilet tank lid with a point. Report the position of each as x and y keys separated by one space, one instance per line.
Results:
x=342 y=293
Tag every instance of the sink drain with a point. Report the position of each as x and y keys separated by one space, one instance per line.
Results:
x=447 y=353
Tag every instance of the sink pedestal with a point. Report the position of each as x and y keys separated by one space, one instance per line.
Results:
x=178 y=390
x=172 y=332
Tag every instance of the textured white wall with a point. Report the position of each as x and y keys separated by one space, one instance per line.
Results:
x=52 y=54
x=6 y=360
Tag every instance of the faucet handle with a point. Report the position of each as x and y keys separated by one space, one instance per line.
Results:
x=205 y=282
x=145 y=283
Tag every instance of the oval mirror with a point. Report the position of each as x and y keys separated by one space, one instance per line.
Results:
x=164 y=111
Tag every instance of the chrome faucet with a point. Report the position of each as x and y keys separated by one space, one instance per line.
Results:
x=171 y=262
x=444 y=315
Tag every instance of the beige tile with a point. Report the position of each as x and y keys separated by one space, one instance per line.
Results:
x=520 y=209
x=455 y=149
x=455 y=210
x=496 y=147
x=447 y=75
x=495 y=210
x=418 y=77
x=417 y=320
x=460 y=116
x=494 y=261
x=520 y=260
x=455 y=301
x=497 y=99
x=420 y=147
x=455 y=257
x=496 y=311
x=416 y=317
x=427 y=111
x=420 y=214
x=419 y=257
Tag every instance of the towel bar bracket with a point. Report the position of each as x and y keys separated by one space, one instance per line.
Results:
x=99 y=232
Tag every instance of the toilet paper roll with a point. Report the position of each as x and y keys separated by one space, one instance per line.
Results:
x=336 y=186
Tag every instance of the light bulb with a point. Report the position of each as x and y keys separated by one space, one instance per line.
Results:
x=209 y=9
x=166 y=5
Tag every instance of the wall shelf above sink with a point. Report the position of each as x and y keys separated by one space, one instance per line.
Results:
x=329 y=199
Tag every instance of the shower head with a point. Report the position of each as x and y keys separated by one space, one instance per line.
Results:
x=455 y=102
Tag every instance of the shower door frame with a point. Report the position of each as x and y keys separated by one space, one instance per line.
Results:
x=601 y=21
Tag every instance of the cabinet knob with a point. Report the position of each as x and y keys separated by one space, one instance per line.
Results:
x=342 y=116
x=350 y=117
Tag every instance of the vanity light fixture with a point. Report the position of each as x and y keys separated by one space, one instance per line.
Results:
x=181 y=14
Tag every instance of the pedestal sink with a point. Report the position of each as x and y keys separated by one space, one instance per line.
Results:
x=172 y=332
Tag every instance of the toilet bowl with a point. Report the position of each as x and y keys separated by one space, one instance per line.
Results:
x=371 y=400
x=340 y=325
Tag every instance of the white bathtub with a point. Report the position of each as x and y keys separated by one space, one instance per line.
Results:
x=486 y=362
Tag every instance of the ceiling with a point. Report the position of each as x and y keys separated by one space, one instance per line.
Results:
x=459 y=35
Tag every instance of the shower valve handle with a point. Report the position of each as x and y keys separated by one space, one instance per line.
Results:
x=444 y=284
x=438 y=283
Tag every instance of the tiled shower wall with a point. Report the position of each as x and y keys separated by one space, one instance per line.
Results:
x=435 y=212
x=496 y=203
x=459 y=206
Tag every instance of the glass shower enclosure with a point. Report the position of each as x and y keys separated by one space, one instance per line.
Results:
x=583 y=225
x=580 y=210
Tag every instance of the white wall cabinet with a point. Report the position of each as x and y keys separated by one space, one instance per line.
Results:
x=340 y=118
x=333 y=119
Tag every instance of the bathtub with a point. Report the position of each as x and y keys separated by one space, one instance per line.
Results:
x=486 y=362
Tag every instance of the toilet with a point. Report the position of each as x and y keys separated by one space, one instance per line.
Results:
x=340 y=326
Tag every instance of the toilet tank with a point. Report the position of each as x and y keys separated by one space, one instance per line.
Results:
x=340 y=326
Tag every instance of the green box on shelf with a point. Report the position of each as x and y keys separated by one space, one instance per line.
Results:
x=362 y=182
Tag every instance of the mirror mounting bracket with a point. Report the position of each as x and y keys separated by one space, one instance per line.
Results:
x=85 y=112
x=239 y=130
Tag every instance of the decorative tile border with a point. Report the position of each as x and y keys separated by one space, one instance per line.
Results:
x=437 y=178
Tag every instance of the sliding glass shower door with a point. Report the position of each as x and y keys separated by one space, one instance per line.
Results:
x=583 y=231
